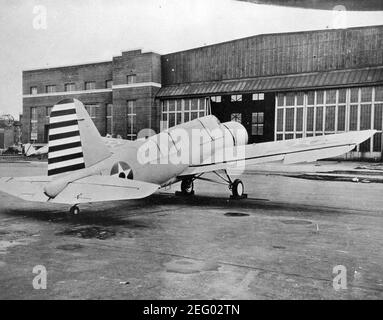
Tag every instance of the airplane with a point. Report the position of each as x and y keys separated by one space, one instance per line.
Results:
x=84 y=167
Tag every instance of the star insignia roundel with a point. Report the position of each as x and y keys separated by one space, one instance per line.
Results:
x=122 y=170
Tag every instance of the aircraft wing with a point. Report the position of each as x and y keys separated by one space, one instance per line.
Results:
x=288 y=151
x=85 y=190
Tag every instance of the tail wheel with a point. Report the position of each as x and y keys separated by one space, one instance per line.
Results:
x=75 y=210
x=237 y=188
x=187 y=186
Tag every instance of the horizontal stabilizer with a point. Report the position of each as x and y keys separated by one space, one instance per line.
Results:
x=89 y=189
x=26 y=188
x=104 y=188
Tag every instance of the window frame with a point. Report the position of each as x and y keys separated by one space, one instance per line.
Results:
x=236 y=98
x=258 y=124
x=90 y=85
x=69 y=85
x=131 y=133
x=259 y=96
x=132 y=76
x=183 y=110
x=49 y=87
x=107 y=84
x=33 y=90
x=109 y=117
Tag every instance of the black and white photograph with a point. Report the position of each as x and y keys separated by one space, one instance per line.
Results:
x=211 y=152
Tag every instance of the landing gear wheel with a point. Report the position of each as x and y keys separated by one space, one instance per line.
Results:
x=237 y=189
x=75 y=210
x=187 y=187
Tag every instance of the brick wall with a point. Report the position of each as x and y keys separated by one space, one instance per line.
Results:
x=146 y=67
x=98 y=72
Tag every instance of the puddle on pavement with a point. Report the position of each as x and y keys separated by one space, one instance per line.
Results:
x=279 y=247
x=236 y=214
x=69 y=247
x=187 y=266
x=293 y=221
x=88 y=233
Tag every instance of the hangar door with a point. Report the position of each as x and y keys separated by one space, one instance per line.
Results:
x=254 y=111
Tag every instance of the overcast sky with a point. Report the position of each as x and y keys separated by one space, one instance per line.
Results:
x=81 y=31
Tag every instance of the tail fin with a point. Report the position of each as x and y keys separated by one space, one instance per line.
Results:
x=74 y=141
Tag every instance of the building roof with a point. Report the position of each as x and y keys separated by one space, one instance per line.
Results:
x=337 y=78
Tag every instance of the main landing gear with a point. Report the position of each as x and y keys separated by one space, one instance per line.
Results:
x=236 y=187
x=74 y=211
x=187 y=187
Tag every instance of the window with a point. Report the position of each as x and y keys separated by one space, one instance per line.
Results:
x=299 y=119
x=33 y=113
x=236 y=97
x=330 y=96
x=366 y=94
x=310 y=119
x=216 y=99
x=131 y=120
x=353 y=117
x=330 y=118
x=342 y=96
x=177 y=111
x=109 y=118
x=311 y=98
x=90 y=85
x=379 y=93
x=258 y=96
x=237 y=117
x=320 y=97
x=34 y=119
x=289 y=136
x=280 y=119
x=300 y=97
x=108 y=83
x=289 y=119
x=354 y=95
x=92 y=110
x=365 y=117
x=290 y=99
x=319 y=119
x=131 y=79
x=33 y=90
x=257 y=123
x=378 y=118
x=50 y=89
x=341 y=118
x=69 y=87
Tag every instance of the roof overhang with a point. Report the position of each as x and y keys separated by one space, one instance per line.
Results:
x=294 y=82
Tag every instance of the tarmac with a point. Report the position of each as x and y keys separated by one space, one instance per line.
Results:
x=283 y=242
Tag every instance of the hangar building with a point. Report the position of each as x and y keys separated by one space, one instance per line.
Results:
x=279 y=86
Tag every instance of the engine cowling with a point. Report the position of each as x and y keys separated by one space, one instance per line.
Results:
x=237 y=131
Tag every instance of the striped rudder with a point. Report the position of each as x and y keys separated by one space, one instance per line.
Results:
x=65 y=150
